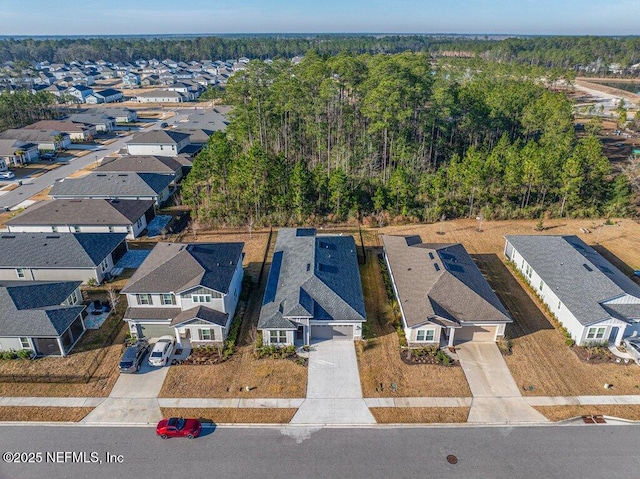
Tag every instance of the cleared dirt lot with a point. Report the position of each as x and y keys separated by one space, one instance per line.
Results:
x=540 y=359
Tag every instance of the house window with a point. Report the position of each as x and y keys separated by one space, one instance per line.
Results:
x=559 y=304
x=277 y=337
x=168 y=298
x=596 y=333
x=528 y=271
x=139 y=223
x=206 y=334
x=20 y=272
x=111 y=229
x=425 y=335
x=76 y=229
x=24 y=342
x=144 y=299
x=201 y=298
x=541 y=285
x=73 y=298
x=54 y=229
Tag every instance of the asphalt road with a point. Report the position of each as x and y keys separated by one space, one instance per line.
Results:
x=32 y=186
x=501 y=452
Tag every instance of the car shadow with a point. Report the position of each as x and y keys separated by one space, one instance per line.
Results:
x=208 y=426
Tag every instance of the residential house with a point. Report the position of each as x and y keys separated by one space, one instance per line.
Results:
x=159 y=142
x=120 y=114
x=442 y=295
x=130 y=80
x=313 y=290
x=59 y=257
x=16 y=153
x=85 y=216
x=590 y=297
x=79 y=92
x=103 y=122
x=189 y=290
x=164 y=165
x=160 y=96
x=47 y=140
x=43 y=317
x=105 y=96
x=115 y=186
x=76 y=131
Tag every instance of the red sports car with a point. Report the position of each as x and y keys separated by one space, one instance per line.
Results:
x=178 y=426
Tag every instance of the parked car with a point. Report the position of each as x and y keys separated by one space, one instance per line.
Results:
x=633 y=347
x=133 y=356
x=162 y=351
x=178 y=427
x=51 y=155
x=7 y=175
x=164 y=124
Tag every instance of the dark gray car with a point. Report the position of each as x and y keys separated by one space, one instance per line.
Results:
x=133 y=356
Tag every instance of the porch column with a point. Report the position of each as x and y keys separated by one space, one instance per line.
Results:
x=62 y=351
x=175 y=330
x=452 y=333
x=620 y=335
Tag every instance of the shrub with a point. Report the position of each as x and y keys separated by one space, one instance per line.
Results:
x=92 y=282
x=25 y=354
x=8 y=355
x=569 y=342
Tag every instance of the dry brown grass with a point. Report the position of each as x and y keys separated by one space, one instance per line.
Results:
x=234 y=415
x=83 y=356
x=560 y=413
x=47 y=413
x=42 y=195
x=540 y=357
x=379 y=361
x=420 y=415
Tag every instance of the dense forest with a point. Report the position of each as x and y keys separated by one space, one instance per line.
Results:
x=556 y=52
x=394 y=137
x=21 y=108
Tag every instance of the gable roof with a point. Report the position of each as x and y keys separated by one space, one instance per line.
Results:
x=92 y=117
x=201 y=313
x=49 y=250
x=141 y=164
x=440 y=282
x=25 y=134
x=34 y=308
x=58 y=125
x=112 y=184
x=579 y=276
x=154 y=137
x=177 y=267
x=312 y=276
x=82 y=212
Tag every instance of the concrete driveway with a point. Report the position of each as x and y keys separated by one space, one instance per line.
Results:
x=133 y=398
x=496 y=397
x=334 y=395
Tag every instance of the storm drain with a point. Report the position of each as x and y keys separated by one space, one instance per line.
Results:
x=593 y=420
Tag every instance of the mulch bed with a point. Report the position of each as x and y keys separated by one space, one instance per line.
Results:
x=416 y=357
x=598 y=356
x=202 y=356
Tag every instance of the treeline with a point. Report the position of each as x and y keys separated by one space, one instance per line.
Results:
x=21 y=108
x=556 y=52
x=392 y=137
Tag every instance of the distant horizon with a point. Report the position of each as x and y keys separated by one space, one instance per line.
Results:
x=43 y=18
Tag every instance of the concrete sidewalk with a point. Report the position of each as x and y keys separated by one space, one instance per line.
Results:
x=334 y=395
x=496 y=397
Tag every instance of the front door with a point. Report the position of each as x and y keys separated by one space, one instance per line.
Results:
x=300 y=333
x=614 y=334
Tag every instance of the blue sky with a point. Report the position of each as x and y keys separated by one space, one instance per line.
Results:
x=89 y=17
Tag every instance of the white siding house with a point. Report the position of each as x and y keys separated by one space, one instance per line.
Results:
x=589 y=296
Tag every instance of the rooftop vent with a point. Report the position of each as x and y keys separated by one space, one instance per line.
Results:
x=436 y=266
x=587 y=267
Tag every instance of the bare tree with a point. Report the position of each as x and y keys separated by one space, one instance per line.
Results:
x=114 y=297
x=250 y=223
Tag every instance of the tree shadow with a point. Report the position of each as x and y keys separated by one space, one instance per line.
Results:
x=527 y=316
x=613 y=259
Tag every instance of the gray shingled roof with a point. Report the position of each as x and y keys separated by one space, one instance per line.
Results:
x=440 y=282
x=82 y=212
x=312 y=276
x=49 y=250
x=201 y=313
x=34 y=308
x=578 y=275
x=112 y=184
x=177 y=267
x=92 y=117
x=151 y=313
x=158 y=137
x=24 y=134
x=141 y=164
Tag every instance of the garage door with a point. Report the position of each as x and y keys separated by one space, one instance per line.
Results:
x=475 y=333
x=331 y=332
x=155 y=330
